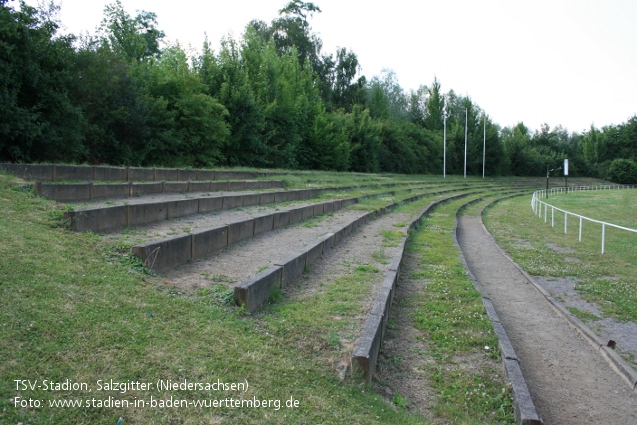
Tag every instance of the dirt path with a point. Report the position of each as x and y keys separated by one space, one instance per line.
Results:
x=569 y=381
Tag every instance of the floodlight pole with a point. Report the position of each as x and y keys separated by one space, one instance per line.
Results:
x=444 y=142
x=444 y=148
x=566 y=174
x=466 y=122
x=484 y=145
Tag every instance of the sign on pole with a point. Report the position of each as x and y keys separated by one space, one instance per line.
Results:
x=566 y=167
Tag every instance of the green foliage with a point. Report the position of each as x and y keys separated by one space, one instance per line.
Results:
x=623 y=171
x=434 y=107
x=227 y=79
x=269 y=99
x=223 y=294
x=399 y=401
x=328 y=147
x=39 y=118
x=365 y=140
x=132 y=38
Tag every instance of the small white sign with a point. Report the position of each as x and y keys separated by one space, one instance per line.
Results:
x=566 y=167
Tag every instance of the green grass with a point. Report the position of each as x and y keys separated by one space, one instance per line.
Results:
x=607 y=279
x=71 y=310
x=391 y=238
x=78 y=307
x=380 y=256
x=612 y=206
x=454 y=323
x=583 y=315
x=476 y=207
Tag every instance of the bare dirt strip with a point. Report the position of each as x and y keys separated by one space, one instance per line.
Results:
x=569 y=381
x=240 y=261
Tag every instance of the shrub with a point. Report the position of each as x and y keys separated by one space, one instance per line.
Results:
x=623 y=171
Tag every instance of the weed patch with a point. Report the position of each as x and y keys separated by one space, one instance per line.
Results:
x=391 y=238
x=453 y=320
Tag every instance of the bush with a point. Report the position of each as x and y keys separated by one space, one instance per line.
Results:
x=623 y=171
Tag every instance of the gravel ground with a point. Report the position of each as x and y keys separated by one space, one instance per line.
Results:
x=240 y=261
x=569 y=381
x=623 y=333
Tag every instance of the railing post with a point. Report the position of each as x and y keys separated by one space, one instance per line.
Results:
x=565 y=220
x=603 y=235
x=545 y=216
x=552 y=216
x=580 y=228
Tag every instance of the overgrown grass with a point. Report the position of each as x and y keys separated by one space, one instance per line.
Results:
x=74 y=306
x=70 y=312
x=458 y=332
x=607 y=279
x=391 y=238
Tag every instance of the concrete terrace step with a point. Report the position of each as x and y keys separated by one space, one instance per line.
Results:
x=165 y=254
x=368 y=346
x=138 y=213
x=192 y=224
x=78 y=192
x=365 y=354
x=253 y=293
x=54 y=172
x=366 y=351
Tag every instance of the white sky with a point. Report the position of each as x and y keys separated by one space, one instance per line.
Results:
x=561 y=62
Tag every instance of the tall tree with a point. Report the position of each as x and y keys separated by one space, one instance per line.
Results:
x=227 y=79
x=193 y=130
x=346 y=92
x=435 y=104
x=133 y=38
x=38 y=119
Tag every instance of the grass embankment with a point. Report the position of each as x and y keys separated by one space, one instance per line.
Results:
x=607 y=279
x=71 y=310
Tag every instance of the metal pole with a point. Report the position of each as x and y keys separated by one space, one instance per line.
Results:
x=545 y=210
x=484 y=146
x=552 y=217
x=444 y=144
x=466 y=122
x=603 y=235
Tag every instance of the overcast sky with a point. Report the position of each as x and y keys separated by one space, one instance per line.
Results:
x=561 y=62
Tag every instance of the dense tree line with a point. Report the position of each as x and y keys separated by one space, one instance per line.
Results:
x=271 y=98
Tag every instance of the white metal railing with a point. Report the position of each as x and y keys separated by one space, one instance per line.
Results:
x=536 y=205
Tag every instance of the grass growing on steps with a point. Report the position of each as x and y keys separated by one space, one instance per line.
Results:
x=466 y=368
x=71 y=311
